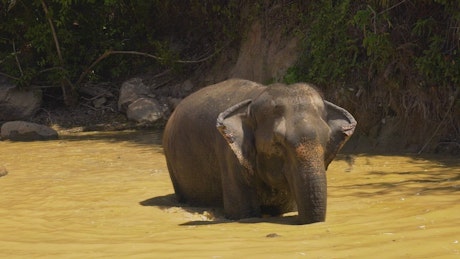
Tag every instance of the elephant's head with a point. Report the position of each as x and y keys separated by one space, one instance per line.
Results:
x=287 y=136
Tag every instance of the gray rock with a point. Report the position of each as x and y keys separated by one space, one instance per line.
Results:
x=187 y=86
x=145 y=110
x=3 y=171
x=173 y=102
x=130 y=91
x=99 y=102
x=26 y=131
x=16 y=104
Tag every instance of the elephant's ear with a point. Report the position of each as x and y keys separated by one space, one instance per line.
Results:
x=232 y=124
x=342 y=125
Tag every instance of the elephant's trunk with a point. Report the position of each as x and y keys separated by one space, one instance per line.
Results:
x=309 y=184
x=311 y=197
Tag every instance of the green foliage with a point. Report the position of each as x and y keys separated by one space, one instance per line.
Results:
x=439 y=66
x=49 y=42
x=346 y=43
x=81 y=38
x=330 y=50
x=439 y=60
x=398 y=60
x=387 y=39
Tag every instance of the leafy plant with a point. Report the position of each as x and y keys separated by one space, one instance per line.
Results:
x=62 y=43
x=330 y=52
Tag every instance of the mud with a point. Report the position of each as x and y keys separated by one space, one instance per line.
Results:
x=108 y=194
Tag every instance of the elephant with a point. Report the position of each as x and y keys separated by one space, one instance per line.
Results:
x=254 y=149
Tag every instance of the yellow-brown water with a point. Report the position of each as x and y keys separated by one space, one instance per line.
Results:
x=108 y=195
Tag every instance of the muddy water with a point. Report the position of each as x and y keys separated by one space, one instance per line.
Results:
x=102 y=195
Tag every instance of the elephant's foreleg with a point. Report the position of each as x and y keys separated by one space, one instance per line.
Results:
x=239 y=195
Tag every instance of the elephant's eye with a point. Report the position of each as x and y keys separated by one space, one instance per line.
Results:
x=277 y=148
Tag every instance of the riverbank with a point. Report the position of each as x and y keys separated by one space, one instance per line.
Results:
x=87 y=118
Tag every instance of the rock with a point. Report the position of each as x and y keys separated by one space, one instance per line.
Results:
x=99 y=102
x=173 y=102
x=181 y=90
x=130 y=91
x=273 y=235
x=96 y=90
x=26 y=131
x=16 y=104
x=145 y=110
x=142 y=103
x=187 y=86
x=3 y=171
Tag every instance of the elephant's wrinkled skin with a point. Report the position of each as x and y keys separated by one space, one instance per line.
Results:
x=255 y=149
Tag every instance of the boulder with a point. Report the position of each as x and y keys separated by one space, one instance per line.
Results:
x=187 y=86
x=180 y=90
x=16 y=104
x=145 y=110
x=173 y=102
x=26 y=131
x=130 y=91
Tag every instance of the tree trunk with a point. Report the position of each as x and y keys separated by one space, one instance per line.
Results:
x=69 y=93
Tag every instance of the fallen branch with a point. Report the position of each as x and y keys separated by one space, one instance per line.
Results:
x=10 y=76
x=392 y=7
x=127 y=52
x=89 y=106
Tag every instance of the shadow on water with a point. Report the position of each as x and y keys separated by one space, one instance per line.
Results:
x=443 y=159
x=433 y=184
x=442 y=177
x=215 y=215
x=388 y=188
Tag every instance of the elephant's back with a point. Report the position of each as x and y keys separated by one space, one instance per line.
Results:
x=214 y=99
x=200 y=110
x=192 y=143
